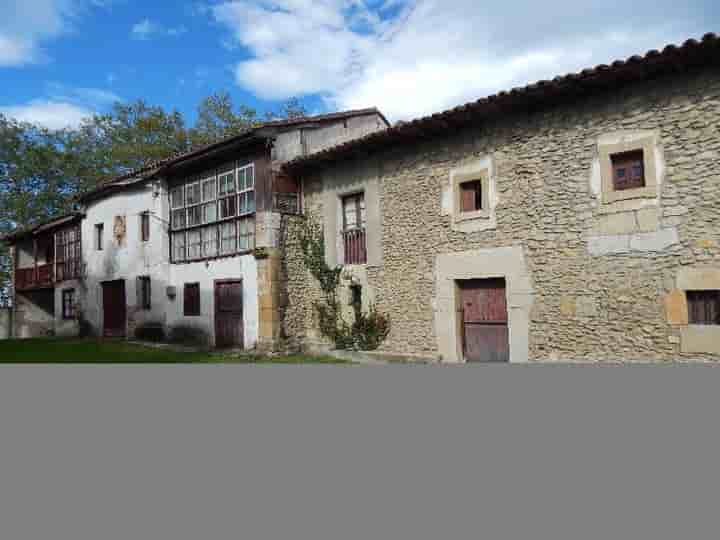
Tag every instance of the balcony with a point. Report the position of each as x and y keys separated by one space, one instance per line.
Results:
x=355 y=246
x=34 y=278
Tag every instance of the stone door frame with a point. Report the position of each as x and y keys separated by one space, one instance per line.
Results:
x=505 y=262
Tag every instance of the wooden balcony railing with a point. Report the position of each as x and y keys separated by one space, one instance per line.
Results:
x=28 y=278
x=355 y=247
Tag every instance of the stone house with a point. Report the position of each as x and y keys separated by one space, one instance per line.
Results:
x=576 y=219
x=189 y=244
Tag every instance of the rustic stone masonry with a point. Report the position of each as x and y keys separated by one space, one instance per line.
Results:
x=603 y=279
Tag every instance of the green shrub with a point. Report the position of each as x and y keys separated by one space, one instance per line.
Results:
x=189 y=336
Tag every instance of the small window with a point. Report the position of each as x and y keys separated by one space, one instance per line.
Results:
x=177 y=197
x=99 y=229
x=145 y=226
x=178 y=241
x=471 y=196
x=191 y=300
x=704 y=307
x=628 y=170
x=144 y=293
x=68 y=304
x=194 y=244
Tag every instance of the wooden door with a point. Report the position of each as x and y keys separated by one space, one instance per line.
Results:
x=114 y=308
x=228 y=314
x=484 y=321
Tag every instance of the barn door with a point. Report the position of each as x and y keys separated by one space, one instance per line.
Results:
x=114 y=309
x=484 y=320
x=228 y=314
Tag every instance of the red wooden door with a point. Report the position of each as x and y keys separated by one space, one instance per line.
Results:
x=114 y=309
x=228 y=314
x=484 y=321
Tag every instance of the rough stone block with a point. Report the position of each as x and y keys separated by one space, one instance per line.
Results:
x=655 y=241
x=676 y=309
x=700 y=339
x=698 y=279
x=611 y=224
x=586 y=307
x=608 y=245
x=568 y=307
x=648 y=219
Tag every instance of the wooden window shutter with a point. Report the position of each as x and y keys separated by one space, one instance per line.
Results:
x=471 y=196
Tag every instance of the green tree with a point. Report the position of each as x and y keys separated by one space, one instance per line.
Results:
x=218 y=118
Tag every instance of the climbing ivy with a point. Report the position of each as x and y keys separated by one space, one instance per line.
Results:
x=369 y=330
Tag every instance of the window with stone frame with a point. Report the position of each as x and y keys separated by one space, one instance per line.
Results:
x=703 y=307
x=628 y=170
x=212 y=215
x=629 y=166
x=471 y=196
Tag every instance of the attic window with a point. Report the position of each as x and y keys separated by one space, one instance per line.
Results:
x=628 y=170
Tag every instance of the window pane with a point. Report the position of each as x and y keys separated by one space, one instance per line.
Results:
x=250 y=175
x=176 y=197
x=228 y=207
x=210 y=241
x=179 y=246
x=194 y=216
x=226 y=183
x=178 y=219
x=209 y=190
x=194 y=244
x=246 y=234
x=247 y=202
x=350 y=212
x=192 y=195
x=228 y=239
x=241 y=180
x=209 y=212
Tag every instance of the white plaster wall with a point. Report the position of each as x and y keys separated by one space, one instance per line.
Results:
x=205 y=273
x=288 y=145
x=131 y=259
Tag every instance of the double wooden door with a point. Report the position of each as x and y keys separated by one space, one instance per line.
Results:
x=229 y=314
x=483 y=308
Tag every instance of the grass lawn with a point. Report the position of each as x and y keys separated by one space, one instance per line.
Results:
x=88 y=351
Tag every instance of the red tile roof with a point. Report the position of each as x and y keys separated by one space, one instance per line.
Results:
x=531 y=97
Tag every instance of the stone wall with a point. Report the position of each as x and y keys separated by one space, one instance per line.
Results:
x=599 y=283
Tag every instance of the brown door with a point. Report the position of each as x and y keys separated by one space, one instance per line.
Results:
x=484 y=320
x=228 y=314
x=114 y=309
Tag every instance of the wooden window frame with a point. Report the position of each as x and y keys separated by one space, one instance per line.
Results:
x=226 y=192
x=68 y=304
x=359 y=223
x=703 y=307
x=190 y=309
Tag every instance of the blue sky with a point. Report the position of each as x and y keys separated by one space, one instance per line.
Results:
x=61 y=60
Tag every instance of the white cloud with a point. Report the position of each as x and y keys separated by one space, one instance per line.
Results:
x=49 y=114
x=146 y=29
x=62 y=106
x=26 y=24
x=417 y=57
